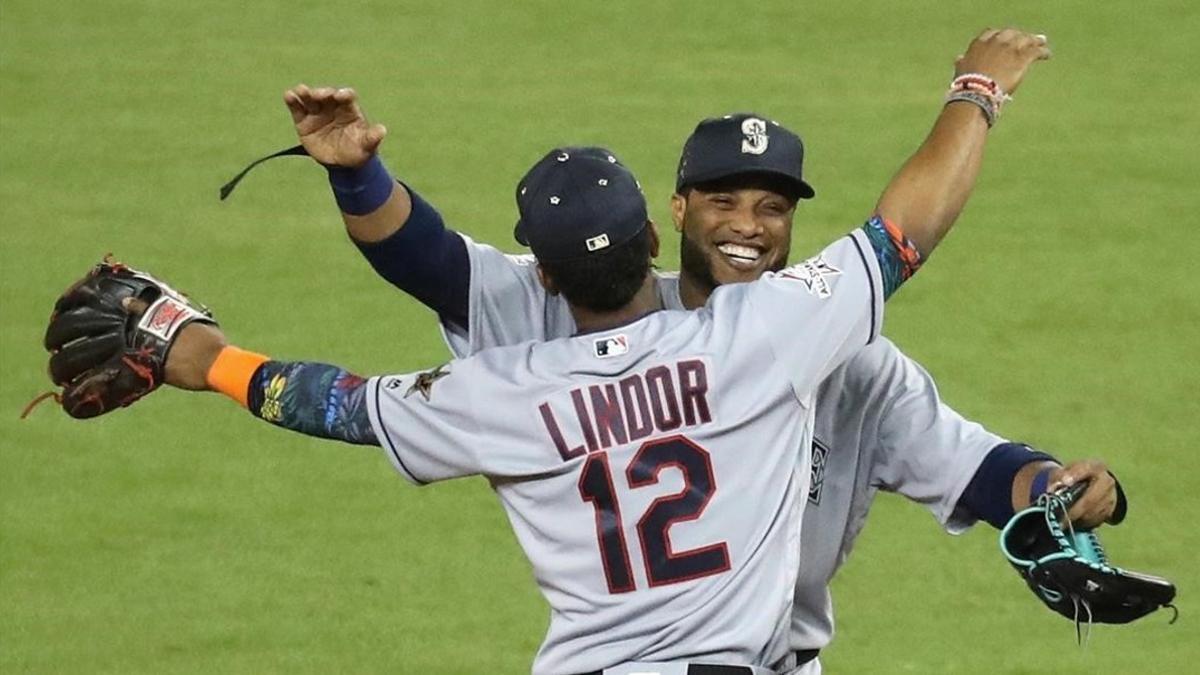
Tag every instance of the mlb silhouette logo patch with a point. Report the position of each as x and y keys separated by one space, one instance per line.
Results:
x=613 y=345
x=597 y=242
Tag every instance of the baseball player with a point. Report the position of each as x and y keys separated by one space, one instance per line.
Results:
x=648 y=464
x=879 y=421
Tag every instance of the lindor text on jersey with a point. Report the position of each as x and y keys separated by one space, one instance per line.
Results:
x=595 y=417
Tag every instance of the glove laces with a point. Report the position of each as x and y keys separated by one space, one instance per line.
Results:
x=37 y=400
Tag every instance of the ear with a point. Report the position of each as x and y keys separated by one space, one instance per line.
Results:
x=678 y=208
x=546 y=281
x=654 y=240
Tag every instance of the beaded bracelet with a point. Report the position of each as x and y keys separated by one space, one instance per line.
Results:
x=985 y=103
x=981 y=90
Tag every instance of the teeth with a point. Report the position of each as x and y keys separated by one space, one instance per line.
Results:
x=739 y=252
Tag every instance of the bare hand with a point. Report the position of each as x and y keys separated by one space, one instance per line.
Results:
x=1097 y=504
x=191 y=354
x=331 y=126
x=1003 y=55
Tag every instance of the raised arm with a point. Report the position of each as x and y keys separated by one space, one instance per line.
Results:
x=400 y=234
x=336 y=133
x=927 y=194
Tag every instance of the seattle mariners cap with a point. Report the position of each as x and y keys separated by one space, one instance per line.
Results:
x=738 y=144
x=578 y=201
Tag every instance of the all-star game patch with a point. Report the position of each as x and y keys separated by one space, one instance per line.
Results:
x=423 y=385
x=819 y=454
x=814 y=273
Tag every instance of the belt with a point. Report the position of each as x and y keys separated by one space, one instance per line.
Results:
x=801 y=657
x=693 y=669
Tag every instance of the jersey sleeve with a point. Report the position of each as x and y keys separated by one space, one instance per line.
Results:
x=506 y=304
x=458 y=420
x=817 y=313
x=926 y=450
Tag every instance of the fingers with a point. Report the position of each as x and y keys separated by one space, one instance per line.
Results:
x=374 y=137
x=135 y=306
x=294 y=99
x=332 y=103
x=1004 y=55
x=1098 y=501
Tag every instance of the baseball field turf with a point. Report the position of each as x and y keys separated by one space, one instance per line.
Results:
x=183 y=536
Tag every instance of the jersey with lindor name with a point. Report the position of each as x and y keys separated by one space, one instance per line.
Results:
x=661 y=399
x=650 y=472
x=879 y=425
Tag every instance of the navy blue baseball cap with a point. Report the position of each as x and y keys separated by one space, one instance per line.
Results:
x=732 y=145
x=578 y=201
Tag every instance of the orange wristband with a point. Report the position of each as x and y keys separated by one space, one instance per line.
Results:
x=232 y=371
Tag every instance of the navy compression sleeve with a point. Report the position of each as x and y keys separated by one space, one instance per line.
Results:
x=989 y=494
x=425 y=260
x=314 y=399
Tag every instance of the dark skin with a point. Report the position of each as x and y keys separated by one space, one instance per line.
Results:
x=748 y=215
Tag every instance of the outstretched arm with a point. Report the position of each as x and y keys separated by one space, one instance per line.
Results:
x=927 y=194
x=401 y=235
x=922 y=448
x=314 y=399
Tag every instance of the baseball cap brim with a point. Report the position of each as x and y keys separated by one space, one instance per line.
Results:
x=800 y=188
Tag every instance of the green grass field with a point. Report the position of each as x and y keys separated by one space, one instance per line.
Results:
x=183 y=536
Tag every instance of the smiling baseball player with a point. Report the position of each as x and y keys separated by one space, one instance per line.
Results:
x=623 y=456
x=879 y=421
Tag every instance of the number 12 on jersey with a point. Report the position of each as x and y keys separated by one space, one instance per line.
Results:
x=663 y=565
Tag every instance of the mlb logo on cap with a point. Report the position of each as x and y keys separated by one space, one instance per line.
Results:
x=578 y=201
x=598 y=242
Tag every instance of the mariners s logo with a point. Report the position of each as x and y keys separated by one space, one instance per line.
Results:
x=754 y=136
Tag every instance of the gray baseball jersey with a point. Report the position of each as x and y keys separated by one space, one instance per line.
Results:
x=651 y=472
x=880 y=425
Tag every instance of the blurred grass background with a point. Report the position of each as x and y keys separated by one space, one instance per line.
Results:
x=186 y=537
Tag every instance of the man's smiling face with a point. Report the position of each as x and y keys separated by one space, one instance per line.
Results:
x=734 y=229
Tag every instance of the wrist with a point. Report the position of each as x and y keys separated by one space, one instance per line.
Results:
x=363 y=189
x=191 y=355
x=981 y=91
x=1040 y=483
x=231 y=371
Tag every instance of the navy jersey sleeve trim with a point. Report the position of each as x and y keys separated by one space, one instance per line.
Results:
x=425 y=260
x=874 y=292
x=387 y=439
x=989 y=494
